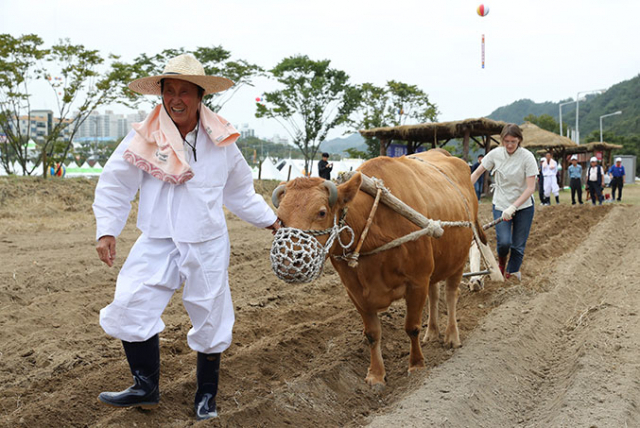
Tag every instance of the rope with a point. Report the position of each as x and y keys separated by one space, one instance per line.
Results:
x=354 y=260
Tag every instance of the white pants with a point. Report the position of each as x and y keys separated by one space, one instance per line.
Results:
x=154 y=270
x=550 y=185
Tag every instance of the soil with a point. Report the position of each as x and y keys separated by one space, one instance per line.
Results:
x=560 y=348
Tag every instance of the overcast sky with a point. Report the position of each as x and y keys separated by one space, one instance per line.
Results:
x=545 y=50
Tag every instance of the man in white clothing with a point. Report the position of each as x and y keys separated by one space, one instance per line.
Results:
x=184 y=162
x=550 y=172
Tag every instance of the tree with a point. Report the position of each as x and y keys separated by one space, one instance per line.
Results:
x=315 y=99
x=72 y=74
x=19 y=65
x=396 y=104
x=546 y=122
x=216 y=61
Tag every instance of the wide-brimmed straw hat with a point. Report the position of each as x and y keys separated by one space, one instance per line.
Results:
x=183 y=67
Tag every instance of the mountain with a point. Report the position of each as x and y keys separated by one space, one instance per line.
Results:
x=624 y=96
x=339 y=145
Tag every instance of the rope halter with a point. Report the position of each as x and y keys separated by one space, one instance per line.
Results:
x=298 y=257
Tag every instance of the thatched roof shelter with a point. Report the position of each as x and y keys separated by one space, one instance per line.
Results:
x=590 y=148
x=438 y=134
x=536 y=137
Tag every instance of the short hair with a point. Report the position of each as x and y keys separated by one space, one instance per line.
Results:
x=480 y=156
x=200 y=89
x=512 y=130
x=325 y=155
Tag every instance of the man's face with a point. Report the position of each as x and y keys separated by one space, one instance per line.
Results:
x=548 y=156
x=618 y=164
x=181 y=100
x=574 y=162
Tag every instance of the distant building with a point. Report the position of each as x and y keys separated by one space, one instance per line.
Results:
x=108 y=126
x=277 y=139
x=39 y=125
x=245 y=131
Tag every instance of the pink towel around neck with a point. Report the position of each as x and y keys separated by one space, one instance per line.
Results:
x=158 y=148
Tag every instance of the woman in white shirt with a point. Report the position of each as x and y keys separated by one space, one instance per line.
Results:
x=514 y=169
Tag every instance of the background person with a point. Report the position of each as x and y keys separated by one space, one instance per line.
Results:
x=616 y=172
x=595 y=180
x=543 y=200
x=324 y=167
x=550 y=173
x=479 y=185
x=515 y=171
x=184 y=161
x=575 y=180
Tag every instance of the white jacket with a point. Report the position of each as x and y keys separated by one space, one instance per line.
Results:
x=189 y=212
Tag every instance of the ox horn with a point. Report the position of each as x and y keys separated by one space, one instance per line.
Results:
x=333 y=192
x=275 y=196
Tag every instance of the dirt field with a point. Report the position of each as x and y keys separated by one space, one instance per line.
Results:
x=559 y=349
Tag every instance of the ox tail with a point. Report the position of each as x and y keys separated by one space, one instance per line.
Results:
x=481 y=235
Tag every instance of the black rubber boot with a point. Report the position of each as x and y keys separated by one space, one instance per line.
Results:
x=558 y=200
x=207 y=374
x=144 y=361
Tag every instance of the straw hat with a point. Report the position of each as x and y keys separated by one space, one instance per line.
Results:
x=183 y=67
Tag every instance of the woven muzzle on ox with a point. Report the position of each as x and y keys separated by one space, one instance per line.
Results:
x=298 y=257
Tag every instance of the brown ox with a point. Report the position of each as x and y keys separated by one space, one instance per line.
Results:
x=411 y=271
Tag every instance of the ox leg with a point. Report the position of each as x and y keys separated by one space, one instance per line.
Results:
x=452 y=335
x=416 y=298
x=432 y=333
x=476 y=283
x=373 y=332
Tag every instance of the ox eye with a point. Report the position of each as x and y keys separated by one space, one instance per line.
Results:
x=322 y=214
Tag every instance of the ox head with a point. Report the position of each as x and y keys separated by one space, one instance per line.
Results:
x=313 y=203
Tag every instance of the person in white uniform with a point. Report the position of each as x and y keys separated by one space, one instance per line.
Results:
x=184 y=162
x=550 y=172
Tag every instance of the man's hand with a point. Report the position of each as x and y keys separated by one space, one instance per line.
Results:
x=106 y=249
x=275 y=226
x=508 y=213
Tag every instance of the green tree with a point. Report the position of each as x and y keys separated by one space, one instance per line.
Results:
x=546 y=122
x=77 y=85
x=19 y=65
x=396 y=104
x=216 y=61
x=315 y=99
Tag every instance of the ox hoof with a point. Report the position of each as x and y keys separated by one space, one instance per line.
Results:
x=476 y=285
x=452 y=342
x=416 y=368
x=377 y=383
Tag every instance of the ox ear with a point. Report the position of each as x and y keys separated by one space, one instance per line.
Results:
x=349 y=190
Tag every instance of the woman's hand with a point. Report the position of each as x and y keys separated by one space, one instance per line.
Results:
x=507 y=214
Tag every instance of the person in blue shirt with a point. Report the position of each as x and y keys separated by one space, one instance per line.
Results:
x=479 y=185
x=575 y=180
x=616 y=172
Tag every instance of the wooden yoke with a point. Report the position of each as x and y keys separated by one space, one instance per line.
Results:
x=371 y=186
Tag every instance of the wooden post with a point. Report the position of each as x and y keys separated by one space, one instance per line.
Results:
x=383 y=147
x=465 y=145
x=289 y=173
x=487 y=149
x=260 y=171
